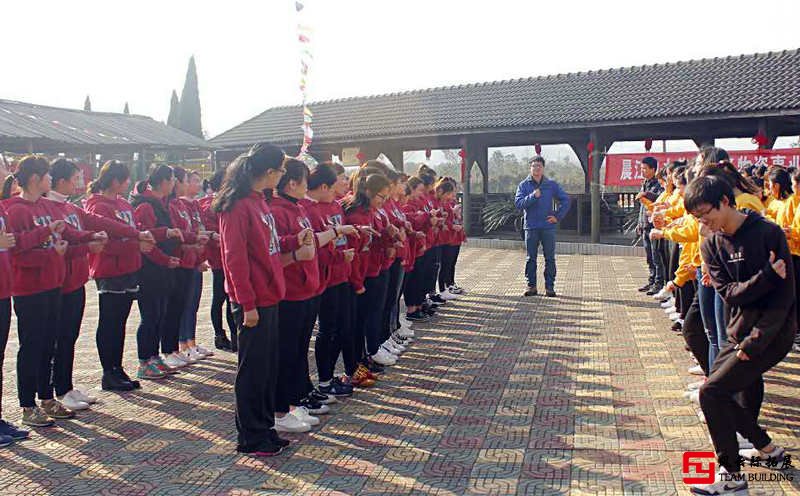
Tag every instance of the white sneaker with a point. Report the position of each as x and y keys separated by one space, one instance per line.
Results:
x=302 y=415
x=400 y=342
x=696 y=370
x=196 y=355
x=383 y=357
x=174 y=361
x=82 y=396
x=777 y=455
x=661 y=294
x=391 y=350
x=393 y=347
x=670 y=310
x=723 y=484
x=71 y=401
x=694 y=386
x=186 y=357
x=668 y=303
x=404 y=321
x=693 y=396
x=674 y=316
x=405 y=332
x=203 y=350
x=290 y=423
x=447 y=295
x=701 y=416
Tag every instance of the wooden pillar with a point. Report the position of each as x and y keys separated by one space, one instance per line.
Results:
x=597 y=160
x=764 y=128
x=465 y=186
x=579 y=147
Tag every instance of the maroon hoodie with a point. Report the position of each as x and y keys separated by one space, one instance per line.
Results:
x=210 y=221
x=77 y=255
x=24 y=241
x=181 y=215
x=302 y=278
x=39 y=269
x=333 y=270
x=120 y=256
x=251 y=254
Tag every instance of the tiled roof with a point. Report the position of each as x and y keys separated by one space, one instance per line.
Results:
x=77 y=128
x=719 y=86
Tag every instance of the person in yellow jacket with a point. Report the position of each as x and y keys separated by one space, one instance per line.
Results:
x=793 y=237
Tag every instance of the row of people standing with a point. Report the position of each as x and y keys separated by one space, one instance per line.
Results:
x=723 y=267
x=300 y=246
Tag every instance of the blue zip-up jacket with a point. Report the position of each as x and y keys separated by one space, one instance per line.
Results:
x=537 y=210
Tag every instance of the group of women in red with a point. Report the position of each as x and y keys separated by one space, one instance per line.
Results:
x=289 y=248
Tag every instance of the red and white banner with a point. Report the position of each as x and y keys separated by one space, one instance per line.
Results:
x=625 y=169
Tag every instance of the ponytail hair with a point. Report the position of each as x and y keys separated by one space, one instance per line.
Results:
x=365 y=187
x=246 y=169
x=712 y=155
x=215 y=183
x=296 y=170
x=109 y=172
x=158 y=174
x=8 y=185
x=29 y=166
x=779 y=176
x=443 y=186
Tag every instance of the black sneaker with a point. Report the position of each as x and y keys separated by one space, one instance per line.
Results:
x=222 y=342
x=646 y=287
x=417 y=316
x=276 y=439
x=550 y=293
x=321 y=397
x=437 y=299
x=267 y=448
x=336 y=388
x=677 y=327
x=113 y=381
x=654 y=289
x=314 y=407
x=531 y=291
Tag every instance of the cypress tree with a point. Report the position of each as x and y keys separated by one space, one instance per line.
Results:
x=190 y=120
x=174 y=111
x=87 y=104
x=126 y=110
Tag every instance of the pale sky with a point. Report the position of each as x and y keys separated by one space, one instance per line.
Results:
x=57 y=52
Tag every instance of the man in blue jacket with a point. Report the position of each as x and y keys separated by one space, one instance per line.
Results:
x=537 y=197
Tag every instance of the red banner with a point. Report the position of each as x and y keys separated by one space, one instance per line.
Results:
x=625 y=169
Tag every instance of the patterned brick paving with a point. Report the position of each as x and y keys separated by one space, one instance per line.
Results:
x=501 y=395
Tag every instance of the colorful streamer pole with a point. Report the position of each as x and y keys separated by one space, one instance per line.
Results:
x=306 y=57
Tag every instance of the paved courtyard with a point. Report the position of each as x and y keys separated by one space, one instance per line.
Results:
x=499 y=395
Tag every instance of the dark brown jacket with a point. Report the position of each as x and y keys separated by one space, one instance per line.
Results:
x=761 y=304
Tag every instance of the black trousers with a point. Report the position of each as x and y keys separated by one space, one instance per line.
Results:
x=447 y=274
x=37 y=324
x=432 y=274
x=114 y=309
x=335 y=333
x=295 y=325
x=176 y=302
x=153 y=302
x=256 y=377
x=694 y=334
x=731 y=398
x=5 y=327
x=685 y=296
x=414 y=292
x=218 y=299
x=69 y=327
x=372 y=309
x=394 y=283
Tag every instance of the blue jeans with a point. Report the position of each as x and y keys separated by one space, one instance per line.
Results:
x=722 y=324
x=705 y=298
x=189 y=317
x=547 y=238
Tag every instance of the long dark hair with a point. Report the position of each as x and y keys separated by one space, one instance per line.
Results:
x=780 y=177
x=158 y=174
x=712 y=155
x=296 y=170
x=8 y=184
x=728 y=172
x=215 y=183
x=111 y=170
x=241 y=174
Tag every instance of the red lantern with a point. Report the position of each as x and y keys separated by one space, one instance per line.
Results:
x=538 y=148
x=648 y=144
x=427 y=153
x=361 y=157
x=761 y=140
